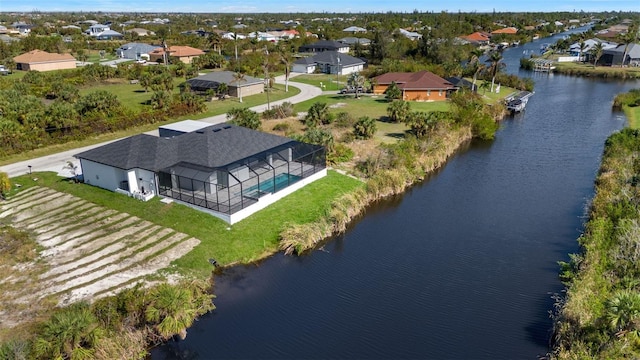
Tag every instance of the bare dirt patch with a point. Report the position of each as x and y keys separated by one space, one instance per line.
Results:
x=86 y=252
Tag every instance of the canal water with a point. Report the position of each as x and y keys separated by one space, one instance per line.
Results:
x=462 y=266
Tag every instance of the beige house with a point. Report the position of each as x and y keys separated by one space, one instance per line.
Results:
x=186 y=54
x=235 y=87
x=43 y=61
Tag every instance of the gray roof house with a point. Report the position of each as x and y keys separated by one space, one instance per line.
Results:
x=614 y=56
x=355 y=29
x=249 y=86
x=324 y=45
x=135 y=51
x=329 y=62
x=352 y=41
x=225 y=170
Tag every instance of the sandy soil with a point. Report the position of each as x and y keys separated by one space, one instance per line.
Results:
x=89 y=251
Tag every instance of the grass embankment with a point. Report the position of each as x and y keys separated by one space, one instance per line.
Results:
x=584 y=69
x=600 y=316
x=629 y=102
x=246 y=241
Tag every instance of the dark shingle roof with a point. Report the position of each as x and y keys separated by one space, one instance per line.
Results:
x=212 y=79
x=213 y=147
x=330 y=57
x=323 y=45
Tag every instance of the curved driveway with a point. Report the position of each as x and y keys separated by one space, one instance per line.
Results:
x=56 y=162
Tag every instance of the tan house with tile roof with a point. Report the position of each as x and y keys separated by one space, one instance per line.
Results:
x=186 y=54
x=418 y=86
x=39 y=60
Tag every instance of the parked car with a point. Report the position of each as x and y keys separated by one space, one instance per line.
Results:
x=351 y=90
x=4 y=70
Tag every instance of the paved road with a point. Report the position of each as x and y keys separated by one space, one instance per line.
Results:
x=57 y=162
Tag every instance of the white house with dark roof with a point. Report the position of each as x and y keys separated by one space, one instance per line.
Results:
x=328 y=62
x=135 y=51
x=225 y=170
x=324 y=45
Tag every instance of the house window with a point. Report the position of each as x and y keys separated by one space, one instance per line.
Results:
x=439 y=92
x=428 y=93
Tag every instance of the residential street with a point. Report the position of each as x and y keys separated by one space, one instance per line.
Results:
x=56 y=162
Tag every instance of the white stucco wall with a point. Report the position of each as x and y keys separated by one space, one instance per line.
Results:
x=100 y=175
x=351 y=69
x=304 y=69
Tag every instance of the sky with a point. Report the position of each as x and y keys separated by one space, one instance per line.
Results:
x=341 y=6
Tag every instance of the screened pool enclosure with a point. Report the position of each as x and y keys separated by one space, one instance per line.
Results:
x=233 y=187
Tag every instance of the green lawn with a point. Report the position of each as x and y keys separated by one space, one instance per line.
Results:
x=218 y=107
x=245 y=241
x=374 y=106
x=633 y=116
x=134 y=97
x=329 y=82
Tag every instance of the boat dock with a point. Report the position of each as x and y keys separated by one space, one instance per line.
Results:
x=516 y=102
x=543 y=65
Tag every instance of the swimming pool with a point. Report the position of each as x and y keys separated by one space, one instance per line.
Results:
x=272 y=185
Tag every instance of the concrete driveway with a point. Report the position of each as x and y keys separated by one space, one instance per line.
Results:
x=57 y=162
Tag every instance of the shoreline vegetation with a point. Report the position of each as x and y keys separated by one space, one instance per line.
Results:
x=599 y=317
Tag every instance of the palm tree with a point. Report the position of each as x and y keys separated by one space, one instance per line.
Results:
x=626 y=39
x=495 y=58
x=623 y=309
x=357 y=81
x=171 y=310
x=596 y=52
x=285 y=59
x=583 y=47
x=474 y=60
x=239 y=78
x=222 y=90
x=71 y=333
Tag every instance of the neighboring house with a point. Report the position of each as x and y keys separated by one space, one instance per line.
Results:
x=24 y=29
x=225 y=170
x=141 y=32
x=109 y=35
x=103 y=32
x=477 y=38
x=411 y=35
x=614 y=56
x=96 y=29
x=355 y=29
x=186 y=54
x=506 y=31
x=574 y=49
x=72 y=27
x=135 y=51
x=233 y=36
x=263 y=36
x=329 y=62
x=352 y=41
x=3 y=29
x=249 y=86
x=43 y=61
x=462 y=83
x=325 y=45
x=419 y=86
